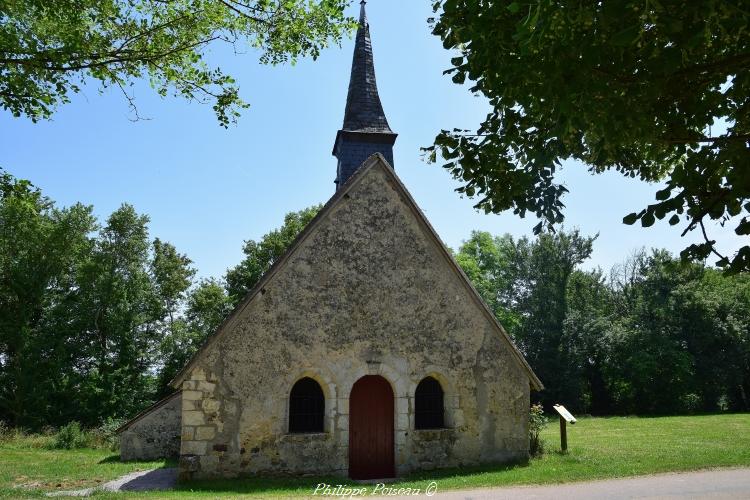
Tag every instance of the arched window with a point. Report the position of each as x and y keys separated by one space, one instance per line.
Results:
x=306 y=406
x=428 y=405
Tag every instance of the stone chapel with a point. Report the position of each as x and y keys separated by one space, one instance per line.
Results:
x=364 y=351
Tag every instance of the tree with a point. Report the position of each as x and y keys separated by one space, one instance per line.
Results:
x=545 y=267
x=711 y=314
x=587 y=329
x=172 y=274
x=652 y=368
x=41 y=249
x=48 y=48
x=104 y=316
x=654 y=90
x=486 y=260
x=260 y=255
x=207 y=306
x=525 y=282
x=119 y=313
x=677 y=337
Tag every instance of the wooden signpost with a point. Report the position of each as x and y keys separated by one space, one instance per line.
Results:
x=565 y=417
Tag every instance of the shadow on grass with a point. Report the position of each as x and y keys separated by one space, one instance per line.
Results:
x=110 y=459
x=306 y=485
x=164 y=463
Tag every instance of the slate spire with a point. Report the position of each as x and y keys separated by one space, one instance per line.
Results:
x=365 y=130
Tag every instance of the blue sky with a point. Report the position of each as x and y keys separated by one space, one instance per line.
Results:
x=207 y=189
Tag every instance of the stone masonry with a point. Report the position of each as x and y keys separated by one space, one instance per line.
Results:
x=154 y=433
x=367 y=289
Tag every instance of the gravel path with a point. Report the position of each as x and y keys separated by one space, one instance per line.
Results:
x=155 y=479
x=715 y=485
x=727 y=484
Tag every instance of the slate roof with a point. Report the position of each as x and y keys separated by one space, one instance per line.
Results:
x=364 y=112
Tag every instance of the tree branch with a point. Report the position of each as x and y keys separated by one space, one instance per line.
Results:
x=244 y=14
x=710 y=242
x=712 y=140
x=137 y=57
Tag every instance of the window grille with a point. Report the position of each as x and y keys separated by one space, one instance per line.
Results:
x=429 y=405
x=306 y=407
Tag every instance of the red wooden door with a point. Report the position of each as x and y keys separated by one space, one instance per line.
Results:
x=371 y=429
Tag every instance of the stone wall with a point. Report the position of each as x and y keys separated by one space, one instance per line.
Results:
x=154 y=433
x=367 y=291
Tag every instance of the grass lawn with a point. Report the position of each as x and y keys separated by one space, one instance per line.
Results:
x=598 y=448
x=28 y=471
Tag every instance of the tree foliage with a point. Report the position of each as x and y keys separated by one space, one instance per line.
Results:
x=488 y=262
x=84 y=309
x=653 y=336
x=655 y=90
x=48 y=48
x=102 y=315
x=105 y=315
x=681 y=338
x=207 y=304
x=41 y=249
x=525 y=283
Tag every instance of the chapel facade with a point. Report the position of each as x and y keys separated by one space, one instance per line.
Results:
x=364 y=351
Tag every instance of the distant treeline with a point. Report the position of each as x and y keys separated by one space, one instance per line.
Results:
x=95 y=319
x=650 y=336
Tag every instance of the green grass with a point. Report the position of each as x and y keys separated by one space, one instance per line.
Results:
x=598 y=448
x=28 y=468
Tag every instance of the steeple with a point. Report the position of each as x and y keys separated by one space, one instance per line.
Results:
x=365 y=130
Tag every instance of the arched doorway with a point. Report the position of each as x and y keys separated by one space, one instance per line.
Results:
x=371 y=429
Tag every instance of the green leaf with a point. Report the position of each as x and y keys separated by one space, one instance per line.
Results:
x=675 y=219
x=743 y=228
x=663 y=194
x=630 y=219
x=660 y=211
x=627 y=36
x=514 y=7
x=589 y=84
x=648 y=219
x=163 y=42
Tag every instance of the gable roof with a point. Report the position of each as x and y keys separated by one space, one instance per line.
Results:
x=375 y=161
x=146 y=412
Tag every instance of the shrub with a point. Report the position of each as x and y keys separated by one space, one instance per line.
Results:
x=105 y=436
x=20 y=438
x=690 y=402
x=70 y=437
x=537 y=422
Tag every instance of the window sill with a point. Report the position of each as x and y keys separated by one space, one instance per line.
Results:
x=304 y=437
x=434 y=434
